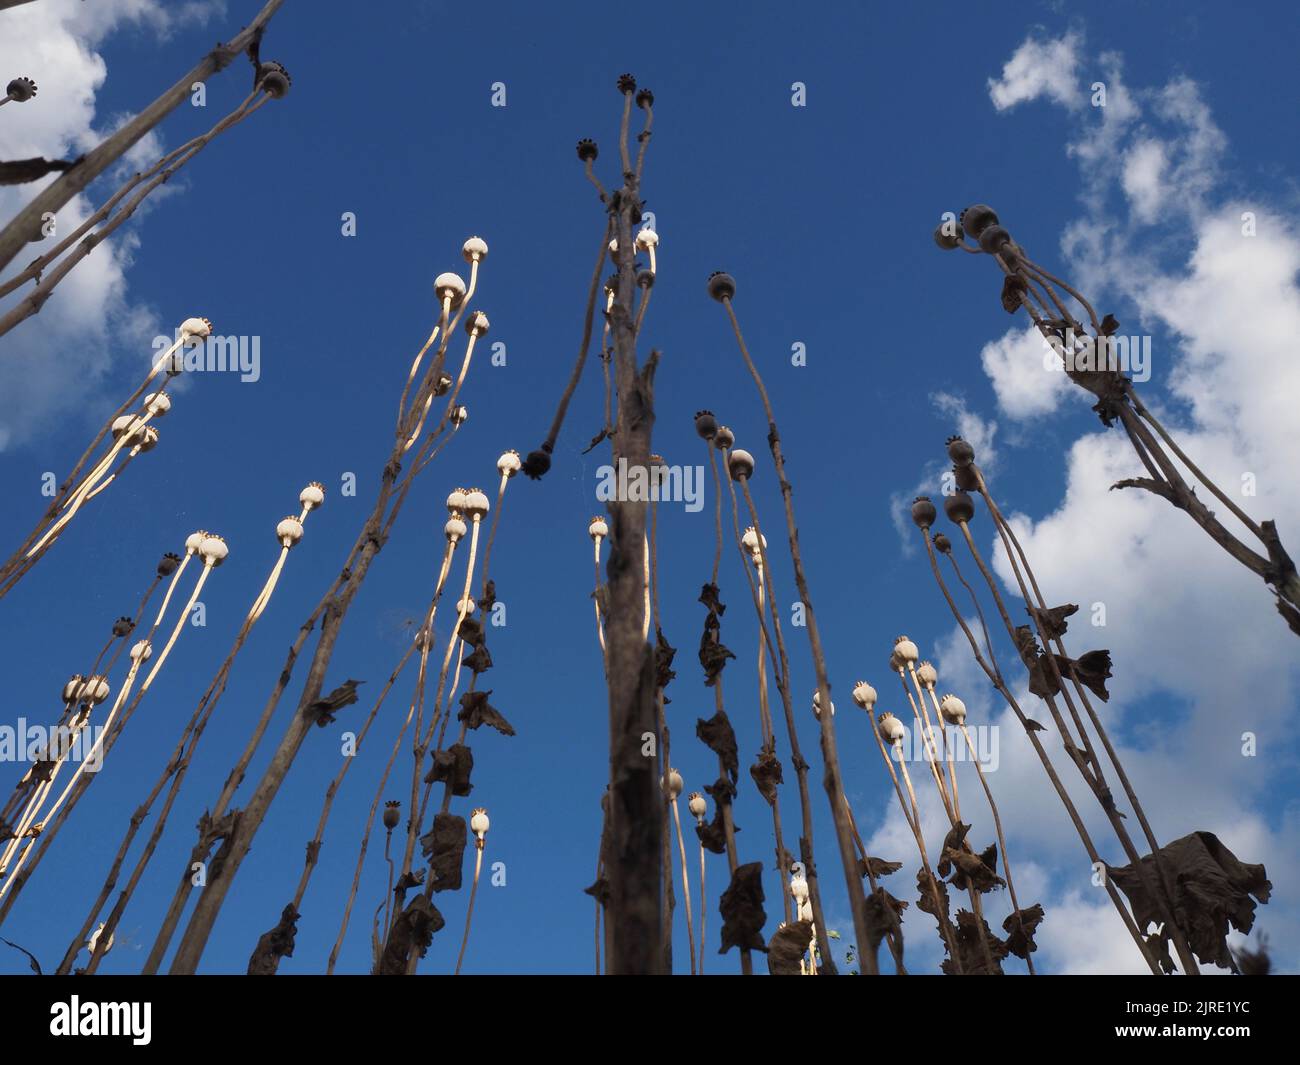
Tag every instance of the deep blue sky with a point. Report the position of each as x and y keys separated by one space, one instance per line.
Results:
x=823 y=214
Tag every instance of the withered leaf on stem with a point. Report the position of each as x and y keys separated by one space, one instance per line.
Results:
x=709 y=597
x=475 y=712
x=787 y=947
x=1092 y=670
x=275 y=944
x=453 y=765
x=414 y=928
x=488 y=599
x=1020 y=927
x=1053 y=618
x=971 y=948
x=322 y=710
x=766 y=772
x=954 y=841
x=664 y=655
x=717 y=734
x=1212 y=892
x=713 y=836
x=878 y=866
x=599 y=891
x=884 y=913
x=742 y=912
x=479 y=660
x=713 y=652
x=444 y=847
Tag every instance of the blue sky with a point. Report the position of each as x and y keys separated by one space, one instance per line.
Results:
x=823 y=213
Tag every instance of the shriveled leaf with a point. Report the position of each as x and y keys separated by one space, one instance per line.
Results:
x=444 y=848
x=273 y=945
x=742 y=912
x=713 y=653
x=322 y=710
x=879 y=866
x=787 y=947
x=717 y=734
x=1020 y=927
x=476 y=712
x=970 y=947
x=414 y=929
x=766 y=772
x=454 y=766
x=709 y=597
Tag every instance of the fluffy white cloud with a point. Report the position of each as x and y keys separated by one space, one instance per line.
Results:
x=1026 y=374
x=1040 y=67
x=51 y=362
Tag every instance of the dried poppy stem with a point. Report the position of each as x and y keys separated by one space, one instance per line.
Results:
x=832 y=780
x=479 y=826
x=1031 y=729
x=686 y=885
x=806 y=847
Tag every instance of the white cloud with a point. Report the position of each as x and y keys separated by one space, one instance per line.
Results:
x=1026 y=374
x=1038 y=68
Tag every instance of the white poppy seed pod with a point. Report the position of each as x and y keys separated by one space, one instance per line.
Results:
x=141 y=652
x=864 y=695
x=213 y=550
x=724 y=438
x=459 y=416
x=146 y=439
x=509 y=464
x=475 y=250
x=896 y=664
x=597 y=527
x=697 y=806
x=891 y=729
x=157 y=403
x=122 y=425
x=613 y=246
x=953 y=710
x=647 y=238
x=477 y=324
x=93 y=942
x=289 y=531
x=479 y=823
x=449 y=286
x=806 y=910
x=740 y=464
x=752 y=539
x=195 y=540
x=456 y=501
x=799 y=888
x=476 y=503
x=927 y=675
x=905 y=650
x=195 y=329
x=454 y=529
x=817 y=705
x=672 y=783
x=313 y=495
x=97 y=689
x=73 y=690
x=465 y=606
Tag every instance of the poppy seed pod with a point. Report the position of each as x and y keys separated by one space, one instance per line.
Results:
x=927 y=675
x=92 y=944
x=645 y=99
x=672 y=783
x=740 y=464
x=459 y=416
x=905 y=650
x=454 y=529
x=805 y=910
x=476 y=325
x=123 y=626
x=923 y=512
x=965 y=479
x=706 y=425
x=817 y=705
x=289 y=531
x=443 y=386
x=194 y=541
x=157 y=403
x=597 y=527
x=313 y=495
x=479 y=823
x=953 y=710
x=799 y=889
x=123 y=425
x=508 y=464
x=392 y=814
x=752 y=539
x=977 y=218
x=476 y=503
x=168 y=563
x=273 y=79
x=864 y=695
x=20 y=90
x=722 y=286
x=890 y=728
x=474 y=250
x=73 y=690
x=141 y=651
x=537 y=463
x=994 y=239
x=587 y=150
x=456 y=501
x=960 y=451
x=465 y=606
x=947 y=241
x=449 y=286
x=942 y=544
x=959 y=507
x=697 y=806
x=613 y=250
x=647 y=238
x=195 y=329
x=147 y=439
x=645 y=279
x=97 y=689
x=626 y=83
x=213 y=550
x=724 y=438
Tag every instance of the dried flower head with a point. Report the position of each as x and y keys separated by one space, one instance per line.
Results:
x=722 y=286
x=141 y=651
x=672 y=783
x=123 y=626
x=645 y=99
x=21 y=89
x=953 y=709
x=289 y=531
x=476 y=504
x=891 y=729
x=626 y=83
x=476 y=325
x=449 y=287
x=168 y=563
x=587 y=150
x=475 y=250
x=313 y=495
x=213 y=550
x=706 y=425
x=942 y=544
x=273 y=79
x=697 y=806
x=948 y=241
x=740 y=464
x=724 y=438
x=927 y=675
x=960 y=451
x=455 y=529
x=392 y=814
x=976 y=218
x=905 y=650
x=597 y=527
x=923 y=512
x=479 y=823
x=864 y=695
x=456 y=501
x=959 y=507
x=509 y=463
x=194 y=541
